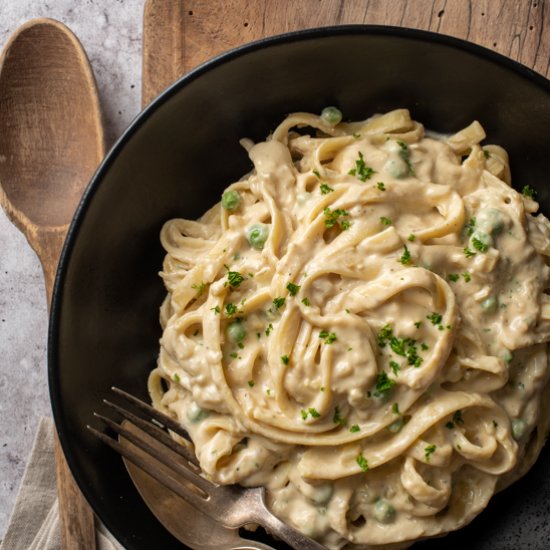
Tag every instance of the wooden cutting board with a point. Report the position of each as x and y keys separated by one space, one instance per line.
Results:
x=178 y=35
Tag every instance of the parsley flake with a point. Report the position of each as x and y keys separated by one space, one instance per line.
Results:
x=529 y=192
x=234 y=278
x=395 y=408
x=251 y=383
x=381 y=186
x=355 y=428
x=362 y=461
x=215 y=309
x=479 y=245
x=395 y=367
x=306 y=301
x=230 y=309
x=328 y=337
x=411 y=238
x=333 y=218
x=429 y=450
x=199 y=288
x=453 y=277
x=385 y=221
x=284 y=359
x=405 y=258
x=268 y=329
x=467 y=277
x=325 y=189
x=361 y=170
x=468 y=253
x=293 y=289
x=435 y=318
x=279 y=302
x=383 y=385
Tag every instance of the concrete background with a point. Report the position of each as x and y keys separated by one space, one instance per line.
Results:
x=110 y=31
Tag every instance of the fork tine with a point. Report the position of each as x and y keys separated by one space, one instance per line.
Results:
x=160 y=475
x=161 y=454
x=156 y=432
x=153 y=413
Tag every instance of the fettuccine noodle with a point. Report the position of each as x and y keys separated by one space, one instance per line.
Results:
x=360 y=326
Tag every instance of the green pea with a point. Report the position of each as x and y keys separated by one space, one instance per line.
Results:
x=322 y=494
x=518 y=428
x=397 y=168
x=331 y=115
x=396 y=425
x=489 y=304
x=384 y=512
x=195 y=413
x=257 y=235
x=490 y=220
x=231 y=200
x=236 y=332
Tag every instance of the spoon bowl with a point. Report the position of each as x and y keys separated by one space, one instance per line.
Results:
x=51 y=136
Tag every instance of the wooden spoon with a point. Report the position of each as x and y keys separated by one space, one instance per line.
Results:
x=51 y=142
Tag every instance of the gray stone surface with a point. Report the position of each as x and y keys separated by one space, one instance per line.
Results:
x=110 y=31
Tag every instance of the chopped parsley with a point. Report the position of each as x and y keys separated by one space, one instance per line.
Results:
x=306 y=301
x=381 y=186
x=230 y=309
x=176 y=377
x=424 y=346
x=486 y=154
x=279 y=302
x=234 y=278
x=325 y=189
x=251 y=383
x=313 y=412
x=268 y=329
x=428 y=451
x=316 y=173
x=529 y=192
x=215 y=309
x=405 y=347
x=470 y=226
x=337 y=419
x=435 y=318
x=449 y=425
x=361 y=170
x=418 y=324
x=385 y=221
x=293 y=289
x=395 y=367
x=479 y=245
x=405 y=154
x=468 y=253
x=405 y=258
x=199 y=288
x=362 y=461
x=395 y=408
x=328 y=337
x=333 y=218
x=355 y=428
x=383 y=385
x=411 y=238
x=467 y=277
x=453 y=277
x=284 y=359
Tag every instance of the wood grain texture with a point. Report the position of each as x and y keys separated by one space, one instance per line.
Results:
x=51 y=141
x=204 y=28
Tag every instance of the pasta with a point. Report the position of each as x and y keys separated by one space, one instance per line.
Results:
x=360 y=326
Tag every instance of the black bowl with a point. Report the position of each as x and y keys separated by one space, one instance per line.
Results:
x=174 y=161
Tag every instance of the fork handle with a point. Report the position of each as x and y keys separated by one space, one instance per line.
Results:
x=291 y=536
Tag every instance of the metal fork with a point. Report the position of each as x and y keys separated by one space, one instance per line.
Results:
x=231 y=505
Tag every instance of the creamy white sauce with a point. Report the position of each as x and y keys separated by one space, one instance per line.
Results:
x=375 y=356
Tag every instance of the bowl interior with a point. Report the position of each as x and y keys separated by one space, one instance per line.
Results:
x=179 y=155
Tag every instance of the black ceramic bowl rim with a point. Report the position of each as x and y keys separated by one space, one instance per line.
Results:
x=138 y=122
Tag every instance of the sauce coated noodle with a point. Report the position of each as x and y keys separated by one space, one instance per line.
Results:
x=360 y=326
